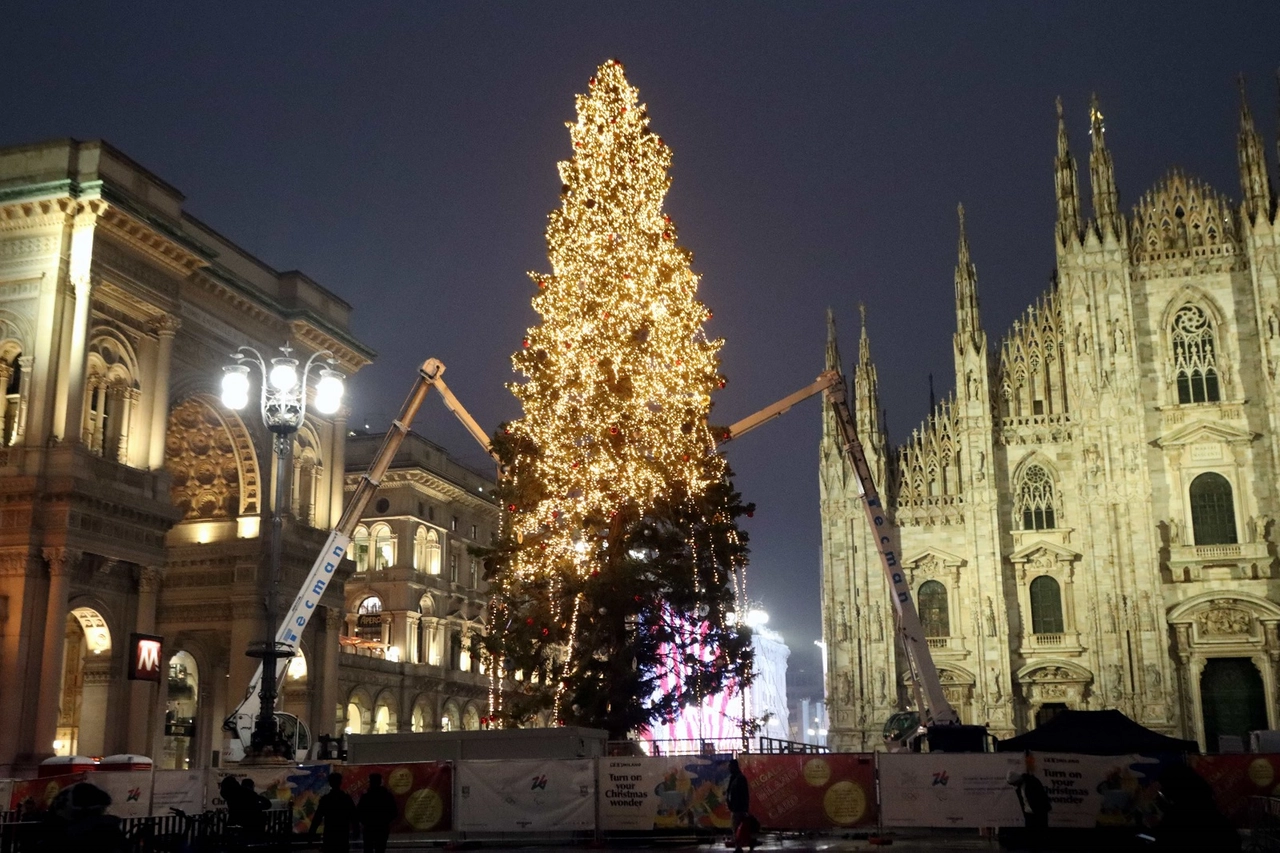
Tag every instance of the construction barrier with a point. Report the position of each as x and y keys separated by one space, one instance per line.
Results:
x=655 y=794
x=526 y=795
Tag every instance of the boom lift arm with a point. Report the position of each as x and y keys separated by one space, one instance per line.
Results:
x=430 y=375
x=935 y=710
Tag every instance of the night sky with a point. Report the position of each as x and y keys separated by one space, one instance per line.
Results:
x=403 y=155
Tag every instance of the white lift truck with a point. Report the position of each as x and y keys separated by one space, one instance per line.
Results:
x=936 y=717
x=241 y=722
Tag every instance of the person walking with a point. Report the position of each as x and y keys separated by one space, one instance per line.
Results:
x=738 y=798
x=337 y=812
x=1036 y=805
x=376 y=810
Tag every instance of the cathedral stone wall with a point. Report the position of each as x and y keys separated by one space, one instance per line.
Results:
x=1089 y=520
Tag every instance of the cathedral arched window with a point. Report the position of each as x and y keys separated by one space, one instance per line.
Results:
x=110 y=397
x=1195 y=358
x=369 y=618
x=426 y=551
x=1046 y=606
x=360 y=548
x=1213 y=514
x=384 y=546
x=307 y=471
x=934 y=615
x=1036 y=507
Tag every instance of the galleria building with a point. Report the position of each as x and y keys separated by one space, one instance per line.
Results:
x=132 y=501
x=1089 y=520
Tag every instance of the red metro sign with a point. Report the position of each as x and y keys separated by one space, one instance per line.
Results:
x=145 y=658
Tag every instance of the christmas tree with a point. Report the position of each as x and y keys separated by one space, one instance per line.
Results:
x=621 y=561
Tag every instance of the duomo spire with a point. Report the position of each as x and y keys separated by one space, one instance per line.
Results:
x=1255 y=189
x=866 y=389
x=1067 y=187
x=968 y=320
x=833 y=348
x=1106 y=201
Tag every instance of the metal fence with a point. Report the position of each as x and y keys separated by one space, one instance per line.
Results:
x=712 y=746
x=208 y=832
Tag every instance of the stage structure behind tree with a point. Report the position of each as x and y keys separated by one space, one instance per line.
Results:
x=620 y=536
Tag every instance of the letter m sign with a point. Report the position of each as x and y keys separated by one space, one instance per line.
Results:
x=145 y=659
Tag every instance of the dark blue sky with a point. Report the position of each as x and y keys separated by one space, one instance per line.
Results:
x=404 y=156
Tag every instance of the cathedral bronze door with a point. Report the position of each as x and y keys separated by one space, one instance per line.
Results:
x=1233 y=699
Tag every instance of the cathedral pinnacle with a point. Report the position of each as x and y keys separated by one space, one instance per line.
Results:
x=1106 y=200
x=1068 y=190
x=968 y=320
x=833 y=349
x=866 y=387
x=1255 y=188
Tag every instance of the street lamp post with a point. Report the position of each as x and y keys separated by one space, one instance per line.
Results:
x=283 y=406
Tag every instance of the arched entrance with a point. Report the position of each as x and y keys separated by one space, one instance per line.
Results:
x=1232 y=699
x=86 y=681
x=182 y=702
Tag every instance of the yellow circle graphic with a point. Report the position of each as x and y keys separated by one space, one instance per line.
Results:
x=817 y=772
x=845 y=803
x=1261 y=772
x=400 y=780
x=424 y=809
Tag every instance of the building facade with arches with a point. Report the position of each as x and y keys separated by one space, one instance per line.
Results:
x=416 y=596
x=1089 y=520
x=132 y=500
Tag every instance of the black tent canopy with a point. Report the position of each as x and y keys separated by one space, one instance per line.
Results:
x=1095 y=733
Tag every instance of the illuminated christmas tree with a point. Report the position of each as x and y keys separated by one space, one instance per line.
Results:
x=622 y=560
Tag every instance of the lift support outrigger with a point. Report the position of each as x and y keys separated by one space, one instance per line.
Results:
x=937 y=718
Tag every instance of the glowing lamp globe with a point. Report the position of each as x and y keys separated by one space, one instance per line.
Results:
x=329 y=392
x=284 y=374
x=235 y=386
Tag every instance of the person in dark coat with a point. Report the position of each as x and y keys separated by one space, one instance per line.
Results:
x=377 y=810
x=255 y=807
x=1190 y=818
x=77 y=820
x=1036 y=806
x=337 y=812
x=234 y=797
x=738 y=798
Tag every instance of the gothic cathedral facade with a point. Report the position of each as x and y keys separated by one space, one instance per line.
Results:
x=1089 y=520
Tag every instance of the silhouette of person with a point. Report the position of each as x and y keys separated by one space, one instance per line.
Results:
x=376 y=810
x=337 y=812
x=738 y=798
x=1036 y=805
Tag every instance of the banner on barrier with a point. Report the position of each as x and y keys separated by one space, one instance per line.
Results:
x=663 y=792
x=526 y=795
x=423 y=792
x=1235 y=778
x=1097 y=790
x=42 y=791
x=299 y=785
x=832 y=791
x=130 y=791
x=949 y=789
x=177 y=789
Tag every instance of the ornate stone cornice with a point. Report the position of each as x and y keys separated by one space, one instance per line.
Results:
x=318 y=339
x=149 y=579
x=61 y=560
x=150 y=242
x=164 y=325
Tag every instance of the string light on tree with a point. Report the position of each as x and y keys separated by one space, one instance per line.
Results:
x=620 y=514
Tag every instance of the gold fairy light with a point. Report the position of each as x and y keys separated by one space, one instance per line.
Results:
x=618 y=376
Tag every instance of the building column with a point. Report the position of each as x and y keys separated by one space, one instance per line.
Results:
x=337 y=466
x=142 y=694
x=69 y=403
x=164 y=327
x=329 y=689
x=61 y=562
x=25 y=363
